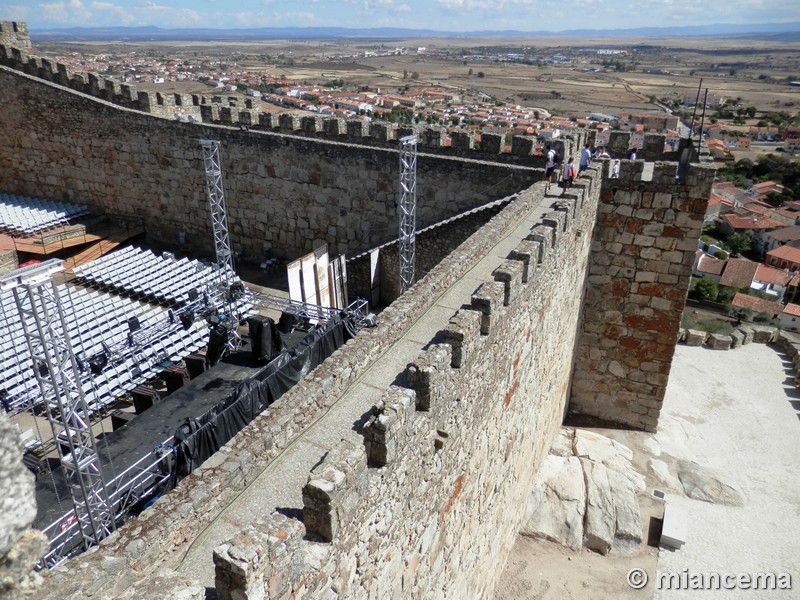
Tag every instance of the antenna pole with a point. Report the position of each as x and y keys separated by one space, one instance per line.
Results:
x=702 y=124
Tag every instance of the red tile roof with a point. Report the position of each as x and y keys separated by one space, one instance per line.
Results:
x=788 y=253
x=738 y=273
x=757 y=305
x=786 y=234
x=709 y=265
x=792 y=310
x=754 y=222
x=768 y=274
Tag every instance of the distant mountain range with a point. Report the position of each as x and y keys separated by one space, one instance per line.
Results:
x=782 y=31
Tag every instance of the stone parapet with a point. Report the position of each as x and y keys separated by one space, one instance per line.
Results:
x=454 y=451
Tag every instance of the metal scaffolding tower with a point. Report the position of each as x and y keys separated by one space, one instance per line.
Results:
x=58 y=374
x=408 y=210
x=222 y=243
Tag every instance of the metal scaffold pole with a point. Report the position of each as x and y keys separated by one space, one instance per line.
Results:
x=58 y=374
x=216 y=200
x=408 y=210
x=222 y=243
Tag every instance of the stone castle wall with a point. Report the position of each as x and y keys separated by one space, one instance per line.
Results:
x=14 y=34
x=246 y=113
x=20 y=546
x=514 y=393
x=429 y=505
x=641 y=264
x=454 y=453
x=283 y=192
x=432 y=245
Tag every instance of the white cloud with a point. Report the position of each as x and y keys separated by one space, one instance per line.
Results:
x=14 y=12
x=72 y=12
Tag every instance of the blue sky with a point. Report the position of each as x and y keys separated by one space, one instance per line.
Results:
x=444 y=15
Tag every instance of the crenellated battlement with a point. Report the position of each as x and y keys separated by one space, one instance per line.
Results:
x=438 y=440
x=15 y=34
x=247 y=114
x=167 y=105
x=450 y=404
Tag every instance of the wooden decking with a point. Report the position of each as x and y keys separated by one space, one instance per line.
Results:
x=40 y=246
x=103 y=246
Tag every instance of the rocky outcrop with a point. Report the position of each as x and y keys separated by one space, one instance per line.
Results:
x=600 y=514
x=701 y=483
x=560 y=488
x=586 y=495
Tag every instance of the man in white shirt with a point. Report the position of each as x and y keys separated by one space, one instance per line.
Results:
x=549 y=167
x=586 y=158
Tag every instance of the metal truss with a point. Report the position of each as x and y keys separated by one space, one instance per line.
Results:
x=354 y=314
x=408 y=210
x=222 y=242
x=57 y=372
x=141 y=481
x=216 y=200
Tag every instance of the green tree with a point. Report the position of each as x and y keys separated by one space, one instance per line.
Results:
x=741 y=314
x=739 y=243
x=726 y=294
x=706 y=289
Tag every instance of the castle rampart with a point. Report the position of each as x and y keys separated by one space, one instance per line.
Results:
x=15 y=34
x=247 y=114
x=283 y=192
x=465 y=438
x=641 y=262
x=451 y=453
x=554 y=304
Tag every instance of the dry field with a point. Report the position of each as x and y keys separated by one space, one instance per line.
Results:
x=729 y=67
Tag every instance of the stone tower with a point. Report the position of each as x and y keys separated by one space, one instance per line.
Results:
x=14 y=34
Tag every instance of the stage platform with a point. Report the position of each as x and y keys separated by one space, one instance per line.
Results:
x=141 y=441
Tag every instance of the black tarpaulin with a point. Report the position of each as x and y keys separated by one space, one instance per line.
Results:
x=198 y=438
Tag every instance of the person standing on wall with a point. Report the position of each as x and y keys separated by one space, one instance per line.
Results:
x=567 y=175
x=586 y=158
x=549 y=167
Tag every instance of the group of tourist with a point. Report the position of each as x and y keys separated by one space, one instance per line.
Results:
x=567 y=175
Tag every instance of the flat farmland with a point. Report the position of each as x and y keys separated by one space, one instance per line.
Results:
x=566 y=76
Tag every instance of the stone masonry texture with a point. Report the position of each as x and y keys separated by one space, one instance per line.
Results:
x=583 y=313
x=453 y=453
x=284 y=193
x=641 y=262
